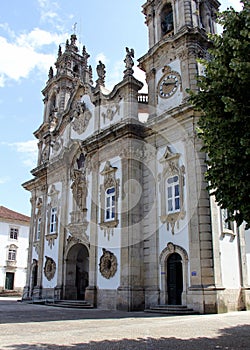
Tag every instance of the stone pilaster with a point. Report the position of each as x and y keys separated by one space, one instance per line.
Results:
x=130 y=294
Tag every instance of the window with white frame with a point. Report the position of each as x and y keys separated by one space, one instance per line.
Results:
x=13 y=233
x=12 y=254
x=38 y=229
x=53 y=220
x=173 y=194
x=110 y=204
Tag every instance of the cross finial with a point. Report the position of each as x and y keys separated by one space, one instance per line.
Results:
x=74 y=27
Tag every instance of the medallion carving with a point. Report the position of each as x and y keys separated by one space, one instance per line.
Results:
x=108 y=264
x=49 y=268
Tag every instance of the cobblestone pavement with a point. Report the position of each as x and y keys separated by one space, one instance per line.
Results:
x=27 y=326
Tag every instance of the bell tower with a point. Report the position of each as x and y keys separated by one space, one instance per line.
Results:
x=177 y=32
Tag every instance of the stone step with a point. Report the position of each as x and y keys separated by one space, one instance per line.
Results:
x=171 y=310
x=74 y=304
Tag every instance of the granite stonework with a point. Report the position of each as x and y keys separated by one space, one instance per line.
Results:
x=121 y=216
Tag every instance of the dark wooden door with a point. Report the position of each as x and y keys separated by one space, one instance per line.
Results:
x=9 y=281
x=174 y=279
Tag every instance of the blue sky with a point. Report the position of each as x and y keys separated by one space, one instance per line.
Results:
x=30 y=32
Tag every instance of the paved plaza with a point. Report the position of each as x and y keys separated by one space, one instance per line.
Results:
x=29 y=326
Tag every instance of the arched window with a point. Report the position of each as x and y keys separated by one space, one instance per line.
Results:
x=167 y=20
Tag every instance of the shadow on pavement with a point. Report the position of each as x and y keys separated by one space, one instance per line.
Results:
x=229 y=338
x=17 y=312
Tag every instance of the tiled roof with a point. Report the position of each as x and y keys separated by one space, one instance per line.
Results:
x=6 y=213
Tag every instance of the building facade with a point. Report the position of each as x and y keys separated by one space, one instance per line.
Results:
x=120 y=212
x=14 y=243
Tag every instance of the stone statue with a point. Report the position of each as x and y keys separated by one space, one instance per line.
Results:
x=129 y=62
x=101 y=72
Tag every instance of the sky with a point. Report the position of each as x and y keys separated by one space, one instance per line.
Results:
x=30 y=33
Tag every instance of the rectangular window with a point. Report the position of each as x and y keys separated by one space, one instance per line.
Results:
x=13 y=233
x=226 y=225
x=12 y=255
x=173 y=194
x=53 y=220
x=110 y=204
x=38 y=229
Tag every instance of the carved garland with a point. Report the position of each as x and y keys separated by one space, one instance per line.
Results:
x=108 y=264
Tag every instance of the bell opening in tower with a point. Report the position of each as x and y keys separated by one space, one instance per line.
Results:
x=167 y=21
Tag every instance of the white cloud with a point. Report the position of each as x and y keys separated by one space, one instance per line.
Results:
x=236 y=4
x=140 y=75
x=38 y=38
x=27 y=150
x=47 y=9
x=19 y=57
x=101 y=57
x=116 y=75
x=4 y=180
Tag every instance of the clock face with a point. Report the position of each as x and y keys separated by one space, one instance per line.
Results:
x=168 y=85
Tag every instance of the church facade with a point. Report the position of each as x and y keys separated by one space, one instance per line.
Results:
x=120 y=215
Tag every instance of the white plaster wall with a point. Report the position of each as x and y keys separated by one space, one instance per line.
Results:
x=229 y=262
x=88 y=202
x=22 y=244
x=247 y=240
x=181 y=233
x=112 y=243
x=52 y=252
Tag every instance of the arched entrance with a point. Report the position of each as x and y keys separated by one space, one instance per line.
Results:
x=174 y=279
x=34 y=273
x=77 y=272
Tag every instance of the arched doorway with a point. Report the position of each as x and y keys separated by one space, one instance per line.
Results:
x=174 y=279
x=77 y=272
x=34 y=274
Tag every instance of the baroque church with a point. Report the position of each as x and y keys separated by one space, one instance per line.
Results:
x=121 y=217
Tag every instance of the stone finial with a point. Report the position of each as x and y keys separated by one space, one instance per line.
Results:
x=73 y=40
x=129 y=62
x=67 y=44
x=51 y=73
x=85 y=57
x=101 y=72
x=59 y=51
x=90 y=75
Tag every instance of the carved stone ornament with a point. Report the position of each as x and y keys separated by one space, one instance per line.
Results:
x=54 y=203
x=81 y=117
x=49 y=268
x=79 y=189
x=129 y=62
x=108 y=264
x=171 y=168
x=109 y=181
x=110 y=112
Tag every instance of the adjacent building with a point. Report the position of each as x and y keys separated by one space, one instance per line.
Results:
x=121 y=216
x=14 y=242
